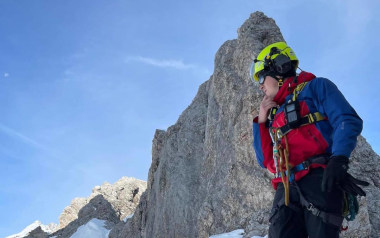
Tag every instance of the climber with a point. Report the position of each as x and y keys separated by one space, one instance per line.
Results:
x=304 y=135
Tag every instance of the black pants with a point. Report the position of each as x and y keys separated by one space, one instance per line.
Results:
x=296 y=222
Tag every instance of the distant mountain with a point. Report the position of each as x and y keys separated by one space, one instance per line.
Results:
x=36 y=229
x=108 y=205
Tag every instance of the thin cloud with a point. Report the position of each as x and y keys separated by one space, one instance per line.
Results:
x=21 y=137
x=176 y=64
x=6 y=75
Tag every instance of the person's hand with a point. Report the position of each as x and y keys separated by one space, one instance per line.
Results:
x=336 y=176
x=266 y=104
x=334 y=173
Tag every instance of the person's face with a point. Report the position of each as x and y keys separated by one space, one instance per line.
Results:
x=270 y=87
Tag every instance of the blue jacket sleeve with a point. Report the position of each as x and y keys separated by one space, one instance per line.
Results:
x=262 y=143
x=257 y=144
x=346 y=123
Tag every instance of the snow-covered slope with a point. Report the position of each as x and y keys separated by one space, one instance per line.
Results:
x=95 y=228
x=45 y=228
x=234 y=234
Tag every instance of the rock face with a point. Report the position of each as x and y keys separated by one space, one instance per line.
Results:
x=204 y=178
x=111 y=203
x=365 y=164
x=123 y=196
x=98 y=207
x=70 y=213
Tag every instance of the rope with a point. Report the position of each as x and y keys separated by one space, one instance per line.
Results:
x=286 y=188
x=284 y=154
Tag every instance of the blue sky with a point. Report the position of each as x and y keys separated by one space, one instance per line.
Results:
x=84 y=84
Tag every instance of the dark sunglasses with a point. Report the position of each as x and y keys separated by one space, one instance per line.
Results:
x=262 y=75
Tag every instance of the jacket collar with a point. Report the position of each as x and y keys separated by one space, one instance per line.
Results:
x=289 y=86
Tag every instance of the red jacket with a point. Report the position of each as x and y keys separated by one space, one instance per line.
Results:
x=336 y=136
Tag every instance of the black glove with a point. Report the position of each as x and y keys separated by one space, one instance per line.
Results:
x=335 y=175
x=350 y=185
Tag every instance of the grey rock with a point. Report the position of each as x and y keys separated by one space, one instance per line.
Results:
x=123 y=196
x=37 y=233
x=108 y=202
x=99 y=208
x=365 y=165
x=204 y=178
x=70 y=213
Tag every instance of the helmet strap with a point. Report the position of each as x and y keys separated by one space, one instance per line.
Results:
x=280 y=82
x=275 y=76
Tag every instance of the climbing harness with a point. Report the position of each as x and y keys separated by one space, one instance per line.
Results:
x=330 y=218
x=292 y=114
x=293 y=121
x=319 y=159
x=306 y=120
x=287 y=172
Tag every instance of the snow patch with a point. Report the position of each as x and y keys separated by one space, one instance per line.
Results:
x=27 y=230
x=95 y=228
x=126 y=218
x=234 y=234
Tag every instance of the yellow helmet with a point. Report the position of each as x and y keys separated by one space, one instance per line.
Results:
x=277 y=59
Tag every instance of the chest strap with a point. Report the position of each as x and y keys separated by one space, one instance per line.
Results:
x=306 y=120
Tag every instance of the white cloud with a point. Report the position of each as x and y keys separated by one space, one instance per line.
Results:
x=21 y=137
x=176 y=64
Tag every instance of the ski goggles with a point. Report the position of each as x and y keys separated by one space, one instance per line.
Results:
x=261 y=75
